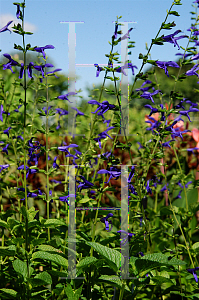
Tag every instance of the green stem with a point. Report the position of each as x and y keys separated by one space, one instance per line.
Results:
x=122 y=290
x=144 y=62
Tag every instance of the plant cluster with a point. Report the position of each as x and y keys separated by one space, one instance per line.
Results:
x=66 y=198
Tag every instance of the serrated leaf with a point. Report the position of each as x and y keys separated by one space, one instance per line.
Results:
x=54 y=222
x=20 y=267
x=45 y=277
x=111 y=255
x=10 y=292
x=56 y=258
x=86 y=261
x=47 y=248
x=150 y=261
x=114 y=280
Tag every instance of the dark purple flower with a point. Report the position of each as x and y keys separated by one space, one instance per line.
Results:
x=78 y=112
x=193 y=271
x=54 y=163
x=41 y=68
x=21 y=72
x=148 y=188
x=103 y=135
x=19 y=13
x=148 y=95
x=41 y=49
x=184 y=55
x=153 y=110
x=113 y=172
x=116 y=28
x=65 y=148
x=61 y=111
x=140 y=145
x=127 y=236
x=11 y=63
x=166 y=144
x=126 y=35
x=85 y=185
x=6 y=131
x=179 y=195
x=173 y=40
x=164 y=65
x=193 y=71
x=65 y=198
x=64 y=97
x=5 y=149
x=131 y=174
x=164 y=188
x=52 y=72
x=29 y=69
x=196 y=1
x=1 y=112
x=103 y=107
x=58 y=126
x=126 y=66
x=107 y=222
x=185 y=113
x=55 y=181
x=99 y=69
x=3 y=167
x=6 y=27
x=146 y=88
x=154 y=123
x=17 y=110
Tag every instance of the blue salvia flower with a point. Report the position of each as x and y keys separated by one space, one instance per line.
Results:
x=173 y=40
x=41 y=49
x=107 y=222
x=5 y=149
x=113 y=172
x=84 y=185
x=65 y=97
x=2 y=167
x=193 y=271
x=164 y=65
x=148 y=95
x=18 y=13
x=5 y=28
x=126 y=238
x=99 y=69
x=11 y=63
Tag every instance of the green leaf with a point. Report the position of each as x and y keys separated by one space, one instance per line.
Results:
x=47 y=248
x=175 y=13
x=56 y=258
x=112 y=256
x=150 y=261
x=160 y=280
x=87 y=261
x=3 y=224
x=195 y=246
x=69 y=292
x=20 y=267
x=45 y=277
x=10 y=292
x=113 y=280
x=54 y=222
x=8 y=251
